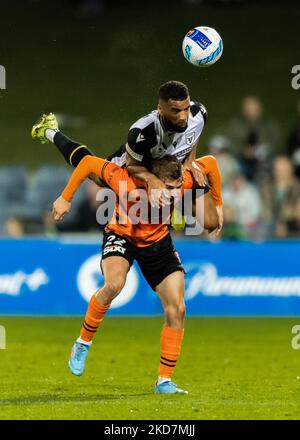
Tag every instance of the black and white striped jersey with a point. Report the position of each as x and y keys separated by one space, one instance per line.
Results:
x=149 y=139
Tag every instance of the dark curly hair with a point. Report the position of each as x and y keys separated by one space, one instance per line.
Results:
x=174 y=90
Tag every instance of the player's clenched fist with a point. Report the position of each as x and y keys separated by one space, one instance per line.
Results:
x=60 y=208
x=156 y=191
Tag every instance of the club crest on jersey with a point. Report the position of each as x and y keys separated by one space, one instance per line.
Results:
x=190 y=138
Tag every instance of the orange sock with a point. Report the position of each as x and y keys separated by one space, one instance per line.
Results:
x=170 y=344
x=93 y=318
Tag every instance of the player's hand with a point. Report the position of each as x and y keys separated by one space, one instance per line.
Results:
x=220 y=218
x=156 y=191
x=197 y=174
x=60 y=208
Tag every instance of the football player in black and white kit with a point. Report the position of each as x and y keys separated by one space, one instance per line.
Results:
x=173 y=128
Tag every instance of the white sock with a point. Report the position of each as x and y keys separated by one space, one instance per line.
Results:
x=81 y=341
x=163 y=379
x=49 y=133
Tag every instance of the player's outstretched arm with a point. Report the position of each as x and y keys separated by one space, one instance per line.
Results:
x=60 y=208
x=209 y=167
x=88 y=165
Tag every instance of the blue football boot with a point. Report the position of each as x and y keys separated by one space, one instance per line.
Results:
x=78 y=357
x=168 y=387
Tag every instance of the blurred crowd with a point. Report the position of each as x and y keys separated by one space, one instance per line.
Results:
x=260 y=175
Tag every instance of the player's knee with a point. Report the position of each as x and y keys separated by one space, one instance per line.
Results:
x=113 y=287
x=181 y=314
x=181 y=310
x=175 y=313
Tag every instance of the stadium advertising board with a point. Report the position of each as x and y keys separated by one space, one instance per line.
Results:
x=57 y=277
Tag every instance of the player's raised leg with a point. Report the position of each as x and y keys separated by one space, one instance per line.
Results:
x=115 y=271
x=46 y=130
x=171 y=293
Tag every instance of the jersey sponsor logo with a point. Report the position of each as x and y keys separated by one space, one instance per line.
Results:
x=140 y=138
x=183 y=153
x=114 y=248
x=190 y=138
x=89 y=279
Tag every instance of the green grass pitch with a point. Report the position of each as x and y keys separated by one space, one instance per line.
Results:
x=234 y=368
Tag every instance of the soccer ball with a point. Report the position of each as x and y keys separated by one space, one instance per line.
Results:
x=202 y=46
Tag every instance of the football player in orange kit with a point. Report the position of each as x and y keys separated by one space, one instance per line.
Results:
x=150 y=244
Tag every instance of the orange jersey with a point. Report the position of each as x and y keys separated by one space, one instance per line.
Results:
x=118 y=179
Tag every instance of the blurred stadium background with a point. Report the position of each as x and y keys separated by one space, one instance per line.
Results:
x=97 y=64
